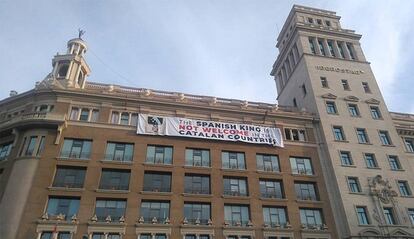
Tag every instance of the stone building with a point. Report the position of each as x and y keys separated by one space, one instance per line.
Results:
x=365 y=150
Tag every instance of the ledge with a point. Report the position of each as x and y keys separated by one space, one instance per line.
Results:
x=308 y=201
x=85 y=160
x=197 y=195
x=116 y=162
x=112 y=191
x=156 y=193
x=236 y=197
x=274 y=199
x=158 y=165
x=51 y=188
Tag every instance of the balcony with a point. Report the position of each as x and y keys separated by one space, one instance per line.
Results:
x=43 y=119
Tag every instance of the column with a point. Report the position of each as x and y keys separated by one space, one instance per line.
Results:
x=153 y=235
x=55 y=235
x=345 y=49
x=197 y=236
x=106 y=235
x=39 y=235
x=325 y=45
x=90 y=236
x=316 y=45
x=336 y=49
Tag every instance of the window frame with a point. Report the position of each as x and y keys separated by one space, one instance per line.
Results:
x=167 y=154
x=331 y=108
x=365 y=213
x=342 y=135
x=374 y=159
x=354 y=185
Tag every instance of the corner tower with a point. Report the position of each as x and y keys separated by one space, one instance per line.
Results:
x=322 y=68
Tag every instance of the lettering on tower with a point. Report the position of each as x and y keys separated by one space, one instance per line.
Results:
x=339 y=70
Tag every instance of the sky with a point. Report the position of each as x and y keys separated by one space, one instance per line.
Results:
x=222 y=48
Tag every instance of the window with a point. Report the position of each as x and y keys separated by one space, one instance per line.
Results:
x=68 y=206
x=331 y=107
x=394 y=162
x=271 y=189
x=235 y=186
x=319 y=21
x=321 y=48
x=274 y=216
x=375 y=112
x=76 y=148
x=310 y=20
x=295 y=104
x=362 y=136
x=157 y=182
x=362 y=215
x=159 y=154
x=353 y=110
x=158 y=209
x=95 y=115
x=134 y=119
x=197 y=211
x=311 y=217
x=197 y=157
x=409 y=144
x=63 y=69
x=353 y=184
x=5 y=150
x=114 y=179
x=41 y=146
x=304 y=90
x=46 y=235
x=84 y=116
x=324 y=82
x=366 y=88
x=110 y=207
x=389 y=216
x=331 y=48
x=351 y=50
x=341 y=49
x=233 y=160
x=411 y=215
x=192 y=236
x=345 y=84
x=371 y=161
x=197 y=184
x=119 y=152
x=312 y=45
x=149 y=236
x=30 y=147
x=404 y=188
x=295 y=134
x=327 y=23
x=236 y=214
x=306 y=191
x=346 y=158
x=301 y=166
x=268 y=163
x=385 y=137
x=124 y=118
x=338 y=133
x=74 y=113
x=69 y=177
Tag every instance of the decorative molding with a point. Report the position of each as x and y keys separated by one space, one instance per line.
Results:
x=351 y=98
x=329 y=96
x=373 y=101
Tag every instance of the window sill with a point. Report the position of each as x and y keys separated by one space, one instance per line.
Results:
x=269 y=172
x=365 y=143
x=73 y=159
x=409 y=152
x=233 y=170
x=376 y=168
x=27 y=157
x=235 y=197
x=304 y=175
x=155 y=193
x=115 y=162
x=397 y=170
x=348 y=166
x=197 y=195
x=158 y=165
x=197 y=167
x=378 y=118
x=408 y=196
x=357 y=193
x=308 y=201
x=51 y=188
x=341 y=141
x=366 y=225
x=274 y=199
x=112 y=191
x=388 y=145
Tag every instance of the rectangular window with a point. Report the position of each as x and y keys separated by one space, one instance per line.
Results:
x=30 y=147
x=310 y=20
x=46 y=235
x=311 y=217
x=268 y=163
x=321 y=48
x=74 y=113
x=327 y=23
x=95 y=115
x=76 y=148
x=331 y=48
x=375 y=112
x=159 y=154
x=353 y=110
x=157 y=182
x=409 y=144
x=404 y=188
x=362 y=215
x=68 y=206
x=362 y=136
x=197 y=213
x=110 y=207
x=411 y=215
x=271 y=188
x=155 y=209
x=124 y=118
x=331 y=107
x=366 y=88
x=346 y=158
x=394 y=162
x=274 y=216
x=134 y=119
x=341 y=49
x=312 y=45
x=197 y=157
x=235 y=186
x=301 y=165
x=295 y=134
x=345 y=84
x=350 y=50
x=122 y=152
x=114 y=179
x=233 y=160
x=236 y=215
x=306 y=191
x=338 y=133
x=197 y=184
x=41 y=146
x=353 y=184
x=324 y=82
x=115 y=117
x=385 y=137
x=69 y=177
x=371 y=161
x=84 y=115
x=295 y=104
x=389 y=216
x=5 y=150
x=319 y=21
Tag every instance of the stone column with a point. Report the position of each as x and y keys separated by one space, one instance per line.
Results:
x=106 y=235
x=316 y=46
x=90 y=235
x=39 y=235
x=153 y=235
x=345 y=49
x=336 y=49
x=325 y=45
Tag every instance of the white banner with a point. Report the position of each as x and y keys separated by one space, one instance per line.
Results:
x=174 y=126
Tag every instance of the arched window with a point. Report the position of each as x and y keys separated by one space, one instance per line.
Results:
x=80 y=78
x=63 y=70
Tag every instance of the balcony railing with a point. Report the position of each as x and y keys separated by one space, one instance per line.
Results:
x=277 y=224
x=33 y=116
x=235 y=193
x=243 y=223
x=197 y=221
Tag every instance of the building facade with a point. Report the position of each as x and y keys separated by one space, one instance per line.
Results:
x=366 y=151
x=72 y=166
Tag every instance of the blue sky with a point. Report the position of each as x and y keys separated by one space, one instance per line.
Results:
x=223 y=48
